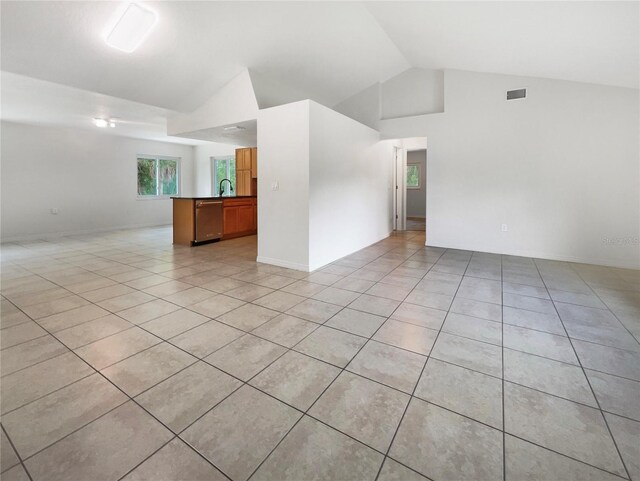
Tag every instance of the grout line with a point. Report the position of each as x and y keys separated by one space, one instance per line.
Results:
x=326 y=389
x=382 y=255
x=144 y=460
x=606 y=305
x=593 y=393
x=424 y=366
x=130 y=398
x=21 y=462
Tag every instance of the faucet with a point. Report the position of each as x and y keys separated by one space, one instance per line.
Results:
x=221 y=190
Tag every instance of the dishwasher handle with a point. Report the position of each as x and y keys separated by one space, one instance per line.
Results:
x=205 y=204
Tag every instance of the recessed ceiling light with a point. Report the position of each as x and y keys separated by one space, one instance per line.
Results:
x=132 y=28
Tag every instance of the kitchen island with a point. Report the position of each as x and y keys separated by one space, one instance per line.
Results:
x=198 y=220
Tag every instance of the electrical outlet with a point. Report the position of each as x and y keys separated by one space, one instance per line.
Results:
x=275 y=185
x=505 y=228
x=54 y=210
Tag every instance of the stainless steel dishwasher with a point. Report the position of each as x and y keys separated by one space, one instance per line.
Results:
x=208 y=220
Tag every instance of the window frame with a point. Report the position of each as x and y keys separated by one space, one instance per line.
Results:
x=419 y=167
x=157 y=158
x=214 y=173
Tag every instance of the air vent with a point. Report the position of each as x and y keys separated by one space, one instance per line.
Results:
x=516 y=94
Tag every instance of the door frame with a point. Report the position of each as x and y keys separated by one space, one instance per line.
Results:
x=400 y=189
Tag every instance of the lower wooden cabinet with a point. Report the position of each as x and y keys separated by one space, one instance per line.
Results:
x=239 y=217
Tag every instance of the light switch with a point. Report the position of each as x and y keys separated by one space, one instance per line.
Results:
x=275 y=185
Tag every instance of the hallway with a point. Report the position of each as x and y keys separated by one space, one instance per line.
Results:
x=416 y=224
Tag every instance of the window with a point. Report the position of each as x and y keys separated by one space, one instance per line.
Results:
x=158 y=176
x=413 y=176
x=224 y=168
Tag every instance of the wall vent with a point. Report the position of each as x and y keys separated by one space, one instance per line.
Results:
x=516 y=94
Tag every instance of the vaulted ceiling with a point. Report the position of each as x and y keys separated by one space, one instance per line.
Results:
x=331 y=49
x=594 y=42
x=328 y=51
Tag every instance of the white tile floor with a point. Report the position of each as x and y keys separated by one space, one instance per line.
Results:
x=124 y=357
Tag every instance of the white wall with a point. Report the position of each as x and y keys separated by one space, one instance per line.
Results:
x=364 y=106
x=561 y=168
x=203 y=175
x=417 y=198
x=334 y=179
x=413 y=92
x=90 y=177
x=232 y=104
x=283 y=157
x=271 y=91
x=350 y=186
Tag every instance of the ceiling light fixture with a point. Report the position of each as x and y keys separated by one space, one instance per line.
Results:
x=131 y=29
x=233 y=128
x=102 y=123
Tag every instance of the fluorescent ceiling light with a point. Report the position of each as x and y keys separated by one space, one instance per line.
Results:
x=132 y=28
x=102 y=123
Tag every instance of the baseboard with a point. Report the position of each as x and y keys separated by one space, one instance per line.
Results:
x=282 y=263
x=308 y=268
x=545 y=256
x=320 y=266
x=57 y=235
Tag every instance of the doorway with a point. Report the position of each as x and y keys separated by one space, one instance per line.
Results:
x=410 y=184
x=416 y=190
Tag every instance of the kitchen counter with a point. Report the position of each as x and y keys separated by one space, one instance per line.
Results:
x=216 y=198
x=197 y=220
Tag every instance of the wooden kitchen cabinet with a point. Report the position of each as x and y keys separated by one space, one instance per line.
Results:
x=197 y=220
x=243 y=182
x=254 y=163
x=246 y=169
x=243 y=159
x=184 y=221
x=239 y=217
x=255 y=217
x=239 y=159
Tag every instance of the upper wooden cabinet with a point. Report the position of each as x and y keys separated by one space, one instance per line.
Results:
x=246 y=169
x=243 y=159
x=243 y=182
x=254 y=163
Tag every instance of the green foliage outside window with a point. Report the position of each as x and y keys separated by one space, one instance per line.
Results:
x=224 y=168
x=157 y=177
x=147 y=179
x=167 y=177
x=413 y=176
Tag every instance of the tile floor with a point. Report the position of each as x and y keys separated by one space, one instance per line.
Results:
x=416 y=223
x=124 y=357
